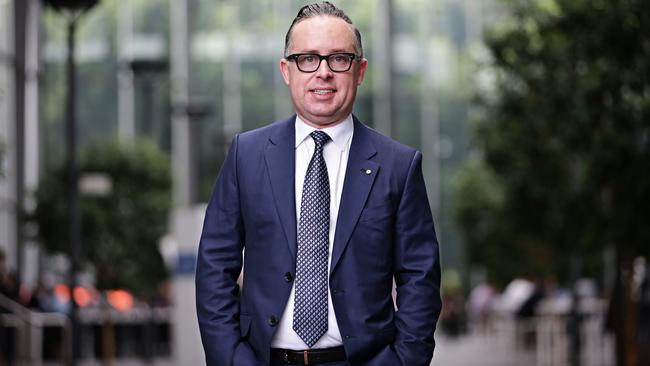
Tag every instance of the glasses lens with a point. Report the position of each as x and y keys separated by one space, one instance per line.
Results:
x=308 y=63
x=339 y=61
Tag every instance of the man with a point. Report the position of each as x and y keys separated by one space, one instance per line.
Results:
x=329 y=212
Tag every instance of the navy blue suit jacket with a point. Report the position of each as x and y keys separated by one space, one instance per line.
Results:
x=384 y=230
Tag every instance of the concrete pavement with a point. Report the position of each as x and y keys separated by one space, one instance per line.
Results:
x=476 y=350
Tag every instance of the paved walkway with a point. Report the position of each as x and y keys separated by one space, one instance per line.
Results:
x=475 y=350
x=469 y=350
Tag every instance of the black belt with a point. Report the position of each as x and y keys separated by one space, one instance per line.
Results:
x=308 y=357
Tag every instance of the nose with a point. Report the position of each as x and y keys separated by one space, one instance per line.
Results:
x=323 y=70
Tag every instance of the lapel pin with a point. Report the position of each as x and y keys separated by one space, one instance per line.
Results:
x=368 y=171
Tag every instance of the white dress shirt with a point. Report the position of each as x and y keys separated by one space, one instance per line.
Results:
x=335 y=153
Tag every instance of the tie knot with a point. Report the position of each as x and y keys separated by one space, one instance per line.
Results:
x=319 y=137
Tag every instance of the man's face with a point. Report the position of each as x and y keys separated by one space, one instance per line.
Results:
x=324 y=97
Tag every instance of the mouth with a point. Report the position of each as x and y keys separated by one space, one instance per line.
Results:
x=322 y=91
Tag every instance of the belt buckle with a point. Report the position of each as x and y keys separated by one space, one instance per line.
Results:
x=305 y=356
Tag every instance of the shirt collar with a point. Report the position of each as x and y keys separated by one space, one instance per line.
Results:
x=339 y=133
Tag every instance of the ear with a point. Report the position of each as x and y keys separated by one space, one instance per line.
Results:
x=284 y=69
x=362 y=70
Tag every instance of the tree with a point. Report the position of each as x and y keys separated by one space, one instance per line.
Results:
x=121 y=226
x=565 y=139
x=566 y=134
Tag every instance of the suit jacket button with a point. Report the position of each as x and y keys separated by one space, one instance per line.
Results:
x=273 y=321
x=288 y=277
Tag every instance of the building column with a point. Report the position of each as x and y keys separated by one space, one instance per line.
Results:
x=430 y=119
x=8 y=136
x=383 y=76
x=232 y=112
x=125 y=78
x=33 y=137
x=186 y=218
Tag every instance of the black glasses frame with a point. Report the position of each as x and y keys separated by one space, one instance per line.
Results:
x=294 y=57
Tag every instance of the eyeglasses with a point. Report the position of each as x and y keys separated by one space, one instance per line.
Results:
x=309 y=62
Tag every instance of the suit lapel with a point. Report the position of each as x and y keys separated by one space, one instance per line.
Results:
x=280 y=162
x=359 y=177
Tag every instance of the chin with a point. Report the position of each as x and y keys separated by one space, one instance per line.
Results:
x=321 y=121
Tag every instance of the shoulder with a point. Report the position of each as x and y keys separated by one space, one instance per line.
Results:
x=386 y=147
x=262 y=134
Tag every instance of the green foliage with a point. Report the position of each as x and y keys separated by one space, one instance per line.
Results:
x=565 y=138
x=120 y=229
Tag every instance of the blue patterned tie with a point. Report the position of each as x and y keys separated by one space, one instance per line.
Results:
x=310 y=309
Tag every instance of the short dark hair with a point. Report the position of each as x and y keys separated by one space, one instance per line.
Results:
x=327 y=9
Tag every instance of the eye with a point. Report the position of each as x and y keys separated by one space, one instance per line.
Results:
x=308 y=59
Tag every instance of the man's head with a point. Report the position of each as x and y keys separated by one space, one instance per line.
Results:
x=323 y=9
x=323 y=90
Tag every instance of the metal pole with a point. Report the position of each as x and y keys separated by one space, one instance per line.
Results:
x=575 y=316
x=20 y=16
x=618 y=302
x=74 y=224
x=149 y=126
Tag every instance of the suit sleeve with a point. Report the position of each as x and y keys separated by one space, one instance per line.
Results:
x=417 y=272
x=218 y=266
